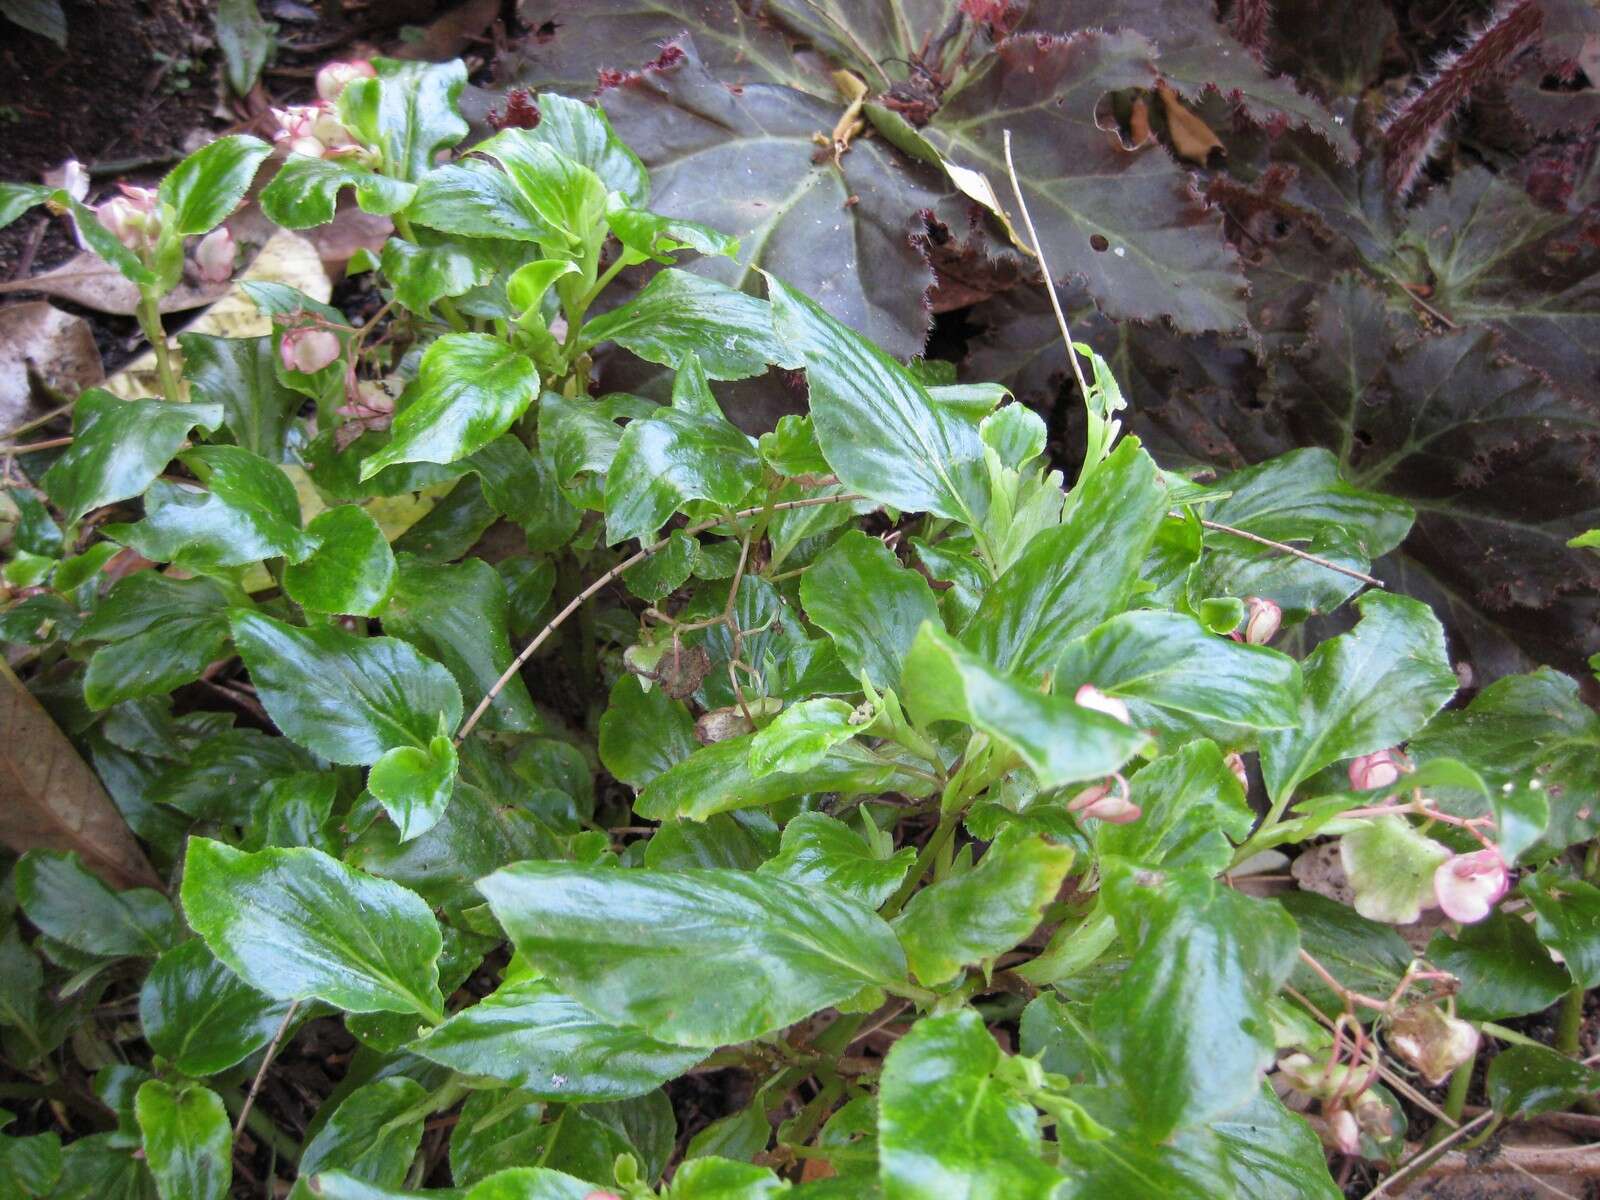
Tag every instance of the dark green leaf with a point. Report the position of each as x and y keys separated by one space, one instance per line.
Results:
x=1567 y=918
x=858 y=591
x=817 y=849
x=1272 y=1153
x=44 y=17
x=162 y=633
x=305 y=191
x=668 y=459
x=642 y=733
x=202 y=1017
x=188 y=1140
x=1524 y=1080
x=1362 y=955
x=72 y=906
x=241 y=375
x=1504 y=971
x=352 y=570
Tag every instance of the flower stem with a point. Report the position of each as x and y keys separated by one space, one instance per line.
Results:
x=1569 y=1027
x=150 y=322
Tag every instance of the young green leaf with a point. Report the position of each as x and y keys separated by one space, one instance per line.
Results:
x=352 y=570
x=297 y=924
x=410 y=112
x=801 y=736
x=207 y=186
x=817 y=849
x=871 y=605
x=414 y=783
x=350 y=699
x=424 y=275
x=188 y=1140
x=373 y=1135
x=305 y=191
x=698 y=958
x=1391 y=867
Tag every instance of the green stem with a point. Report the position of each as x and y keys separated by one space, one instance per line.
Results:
x=942 y=834
x=1455 y=1100
x=1502 y=1034
x=150 y=323
x=606 y=277
x=258 y=1123
x=1569 y=1027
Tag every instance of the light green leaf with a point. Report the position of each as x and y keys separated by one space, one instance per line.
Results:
x=161 y=633
x=530 y=1035
x=678 y=314
x=207 y=186
x=468 y=390
x=723 y=1179
x=1059 y=740
x=800 y=736
x=1365 y=690
x=119 y=447
x=18 y=198
x=409 y=112
x=699 y=958
x=947 y=1127
x=1272 y=1153
x=1190 y=805
x=475 y=199
x=668 y=459
x=423 y=275
x=582 y=133
x=652 y=236
x=569 y=198
x=72 y=906
x=347 y=698
x=241 y=375
x=531 y=1183
x=414 y=784
x=1391 y=868
x=188 y=1140
x=305 y=191
x=202 y=1017
x=817 y=849
x=352 y=571
x=877 y=426
x=979 y=914
x=871 y=605
x=297 y=924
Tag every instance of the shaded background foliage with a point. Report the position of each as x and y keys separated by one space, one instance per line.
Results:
x=1362 y=226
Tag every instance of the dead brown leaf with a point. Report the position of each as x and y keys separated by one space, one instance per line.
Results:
x=58 y=346
x=51 y=800
x=1192 y=138
x=451 y=33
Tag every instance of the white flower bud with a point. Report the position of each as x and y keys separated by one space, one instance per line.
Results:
x=214 y=256
x=1262 y=618
x=308 y=349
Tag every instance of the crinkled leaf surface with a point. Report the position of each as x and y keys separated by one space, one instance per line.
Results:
x=817 y=849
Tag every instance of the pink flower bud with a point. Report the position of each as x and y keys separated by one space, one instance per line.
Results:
x=1106 y=801
x=308 y=349
x=1235 y=763
x=1090 y=696
x=214 y=255
x=131 y=217
x=602 y=1196
x=297 y=126
x=1261 y=620
x=1344 y=1131
x=332 y=78
x=1380 y=769
x=1468 y=885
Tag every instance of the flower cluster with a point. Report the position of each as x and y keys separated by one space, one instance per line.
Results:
x=314 y=130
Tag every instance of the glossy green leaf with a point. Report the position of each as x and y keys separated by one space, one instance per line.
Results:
x=817 y=849
x=532 y=1036
x=188 y=1140
x=1193 y=997
x=668 y=459
x=723 y=1179
x=947 y=1128
x=210 y=783
x=665 y=571
x=1504 y=971
x=643 y=733
x=1525 y=1080
x=241 y=375
x=468 y=390
x=877 y=426
x=977 y=915
x=871 y=605
x=1190 y=806
x=347 y=698
x=569 y=198
x=202 y=1017
x=102 y=1167
x=119 y=447
x=1171 y=661
x=424 y=275
x=738 y=1137
x=1272 y=1153
x=296 y=924
x=801 y=735
x=305 y=191
x=523 y=486
x=29 y=1166
x=414 y=784
x=1072 y=577
x=160 y=633
x=18 y=198
x=531 y=1183
x=475 y=199
x=34 y=531
x=207 y=186
x=352 y=570
x=1058 y=739
x=1567 y=918
x=678 y=314
x=373 y=1134
x=458 y=616
x=67 y=903
x=409 y=112
x=652 y=236
x=1365 y=690
x=1364 y=956
x=698 y=958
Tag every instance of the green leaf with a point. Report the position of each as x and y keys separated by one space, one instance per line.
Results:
x=1170 y=661
x=531 y=1183
x=818 y=849
x=1272 y=1153
x=1072 y=577
x=414 y=784
x=699 y=958
x=1524 y=1080
x=1362 y=955
x=669 y=458
x=297 y=924
x=246 y=42
x=468 y=390
x=373 y=1134
x=871 y=605
x=643 y=733
x=1365 y=690
x=739 y=1137
x=188 y=1140
x=1504 y=971
x=119 y=447
x=458 y=615
x=1194 y=995
x=207 y=186
x=29 y=1166
x=34 y=531
x=665 y=571
x=162 y=633
x=523 y=486
x=18 y=198
x=877 y=426
x=352 y=570
x=409 y=112
x=569 y=198
x=1058 y=739
x=652 y=236
x=305 y=191
x=1191 y=804
x=72 y=906
x=979 y=914
x=530 y=1035
x=1391 y=868
x=678 y=314
x=248 y=512
x=801 y=736
x=202 y=1017
x=423 y=275
x=475 y=199
x=350 y=699
x=44 y=17
x=581 y=132
x=947 y=1127
x=241 y=375
x=1567 y=918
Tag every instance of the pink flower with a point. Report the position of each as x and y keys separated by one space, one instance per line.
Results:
x=214 y=255
x=296 y=121
x=1106 y=801
x=1468 y=885
x=331 y=80
x=1380 y=769
x=1090 y=696
x=1235 y=763
x=131 y=217
x=314 y=131
x=1261 y=620
x=308 y=349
